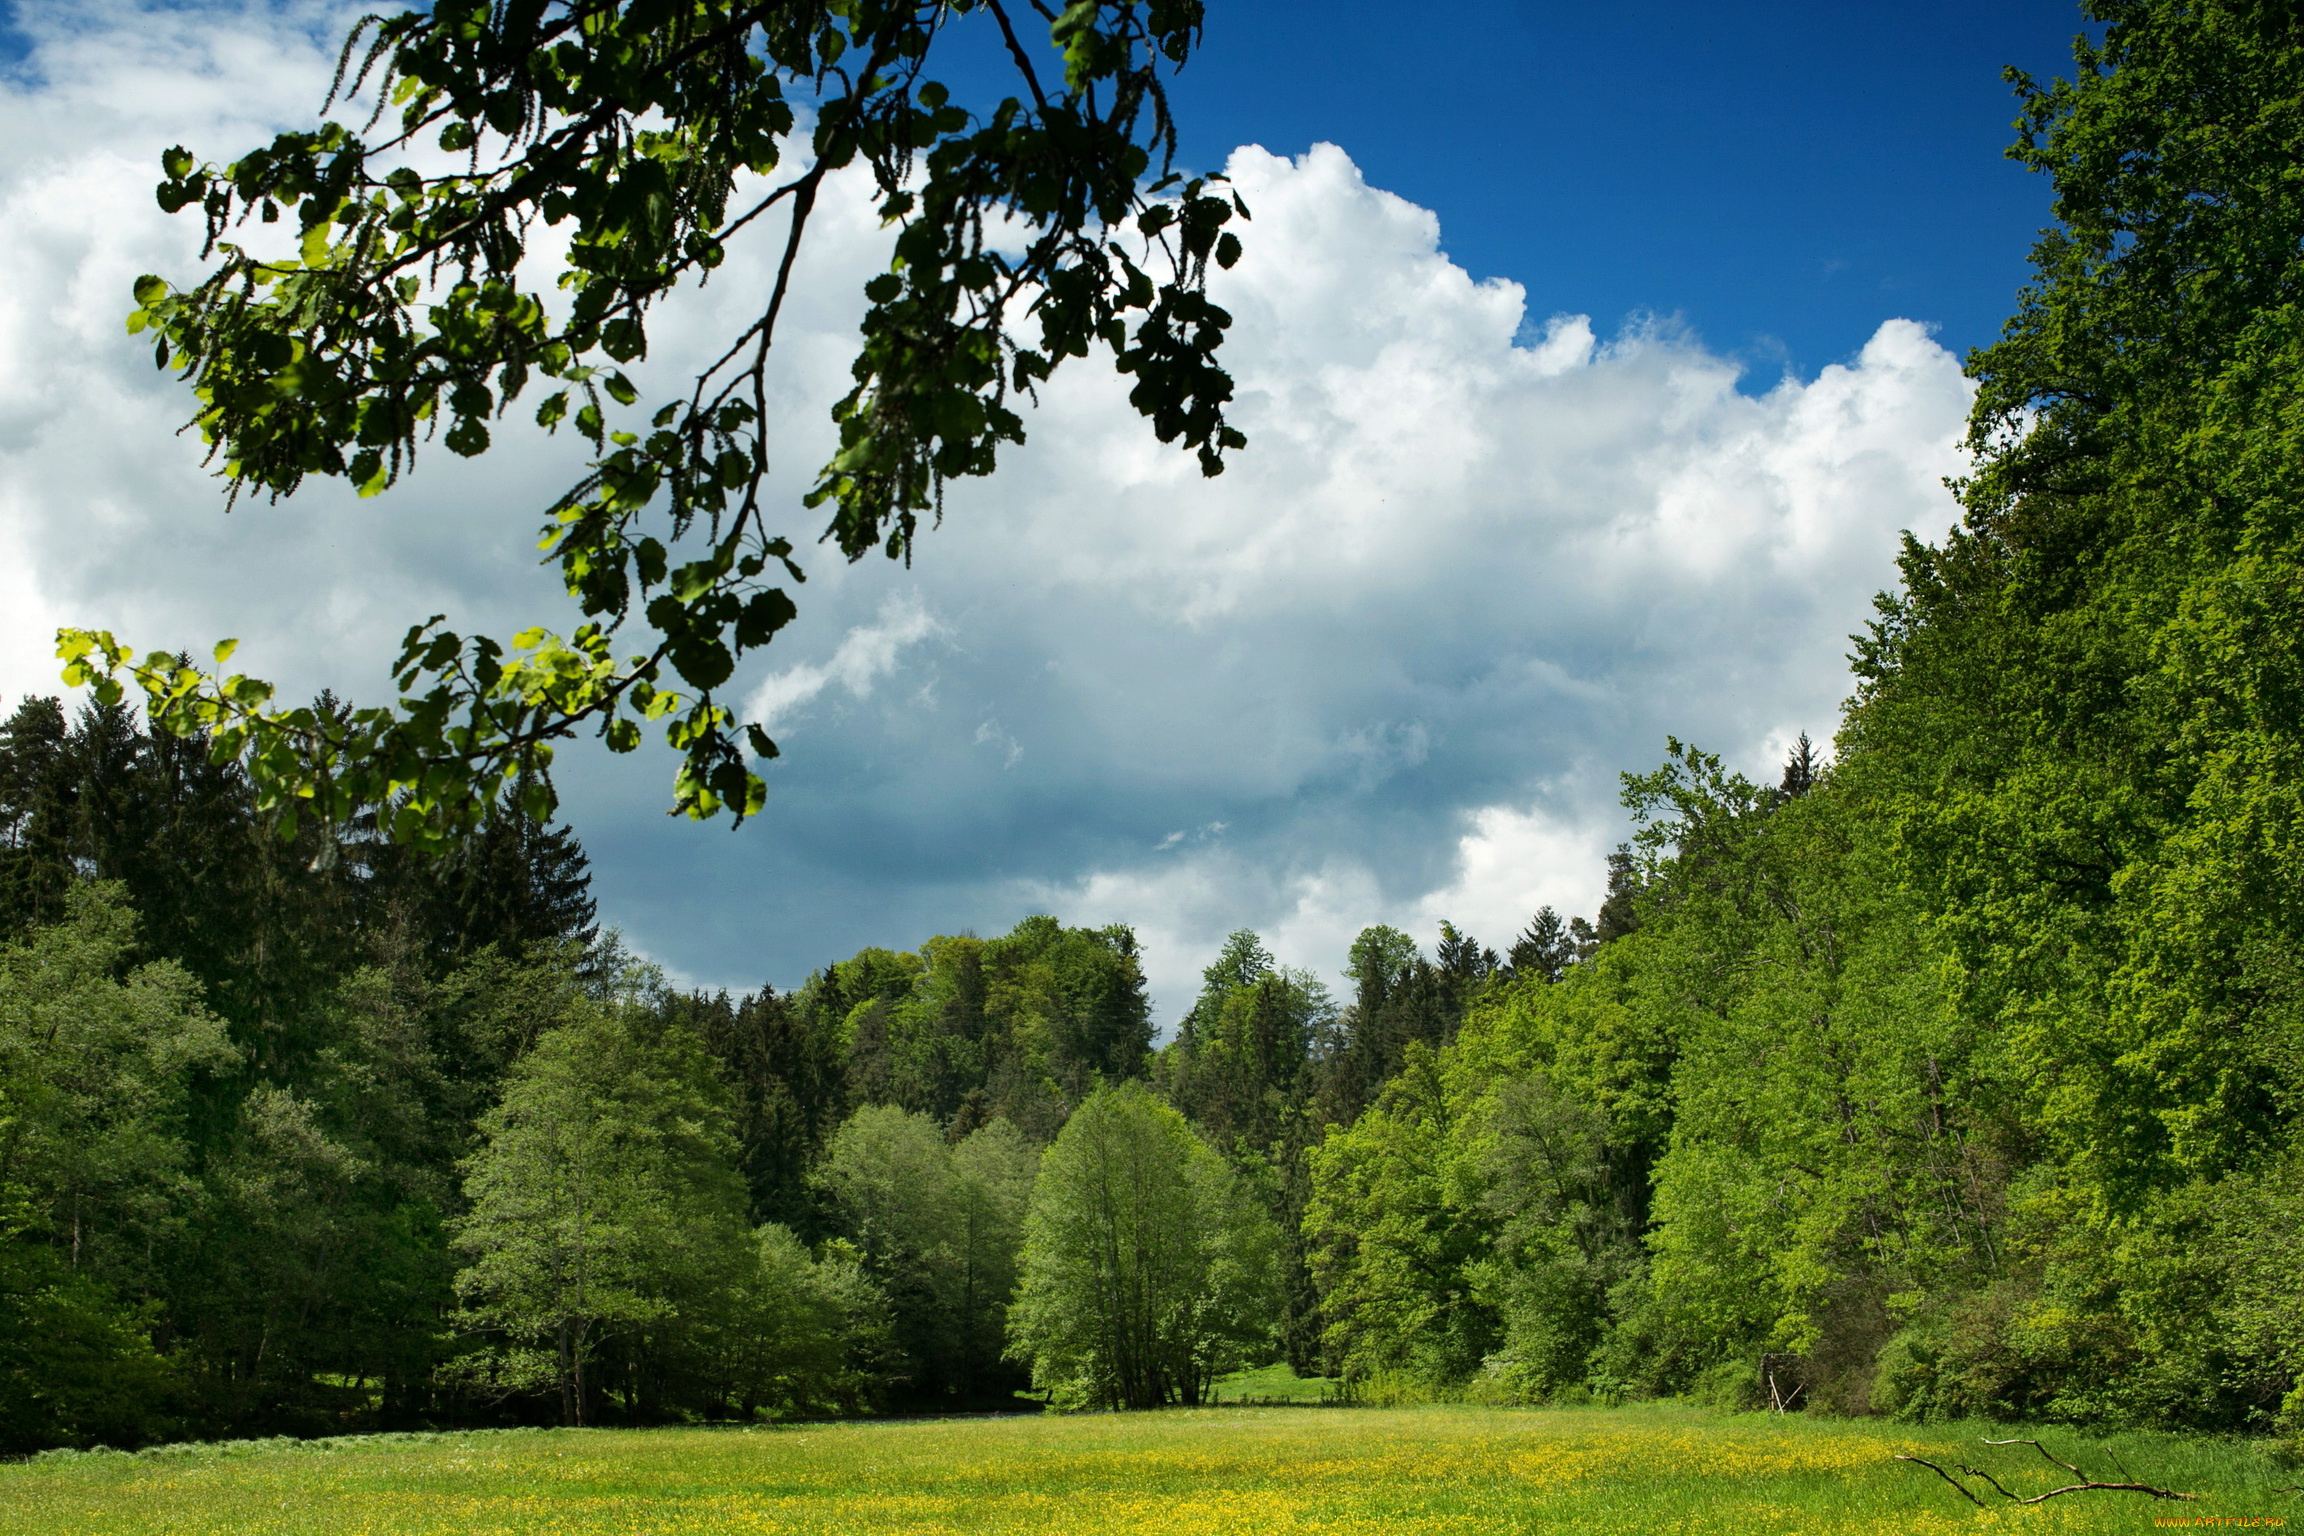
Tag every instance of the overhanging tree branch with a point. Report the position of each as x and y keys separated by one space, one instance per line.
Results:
x=404 y=314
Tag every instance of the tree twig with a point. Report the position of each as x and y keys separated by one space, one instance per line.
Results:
x=1948 y=1477
x=1988 y=1477
x=2043 y=1450
x=2092 y=1486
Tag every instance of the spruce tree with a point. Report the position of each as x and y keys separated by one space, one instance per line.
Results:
x=35 y=815
x=1545 y=948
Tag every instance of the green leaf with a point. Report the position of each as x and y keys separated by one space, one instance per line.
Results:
x=763 y=614
x=622 y=340
x=704 y=662
x=468 y=437
x=369 y=473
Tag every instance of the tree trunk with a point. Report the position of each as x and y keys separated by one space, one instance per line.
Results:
x=579 y=1374
x=569 y=1413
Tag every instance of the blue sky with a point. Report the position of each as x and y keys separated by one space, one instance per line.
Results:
x=1780 y=174
x=1594 y=360
x=1783 y=174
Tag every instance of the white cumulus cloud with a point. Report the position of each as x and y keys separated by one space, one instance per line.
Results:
x=1482 y=555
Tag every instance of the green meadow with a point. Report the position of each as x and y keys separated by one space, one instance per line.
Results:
x=1261 y=1470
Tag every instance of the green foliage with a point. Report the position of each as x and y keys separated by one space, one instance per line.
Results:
x=797 y=1334
x=1021 y=1027
x=96 y=1065
x=1565 y=1248
x=783 y=1062
x=1254 y=1065
x=1748 y=1123
x=605 y=1207
x=1545 y=948
x=2080 y=712
x=76 y=1367
x=1831 y=1158
x=95 y=1062
x=1241 y=1062
x=35 y=803
x=1480 y=1224
x=408 y=306
x=1399 y=999
x=939 y=1227
x=1148 y=1265
x=515 y=883
x=1395 y=1225
x=2258 y=1223
x=235 y=1180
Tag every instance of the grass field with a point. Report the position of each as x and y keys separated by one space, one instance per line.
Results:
x=1261 y=1470
x=1273 y=1384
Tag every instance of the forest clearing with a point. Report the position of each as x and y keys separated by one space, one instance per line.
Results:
x=1898 y=1088
x=1426 y=1469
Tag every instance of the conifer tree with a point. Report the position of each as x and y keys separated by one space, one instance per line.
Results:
x=1545 y=948
x=35 y=815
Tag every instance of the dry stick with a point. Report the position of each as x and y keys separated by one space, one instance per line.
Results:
x=2043 y=1450
x=2086 y=1485
x=2096 y=1487
x=1995 y=1482
x=1948 y=1477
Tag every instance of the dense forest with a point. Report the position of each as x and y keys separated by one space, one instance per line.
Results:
x=1955 y=1071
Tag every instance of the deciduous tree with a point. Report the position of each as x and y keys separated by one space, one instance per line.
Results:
x=605 y=1198
x=1148 y=1265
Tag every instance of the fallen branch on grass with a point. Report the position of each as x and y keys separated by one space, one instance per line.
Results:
x=1988 y=1477
x=1948 y=1477
x=2086 y=1484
